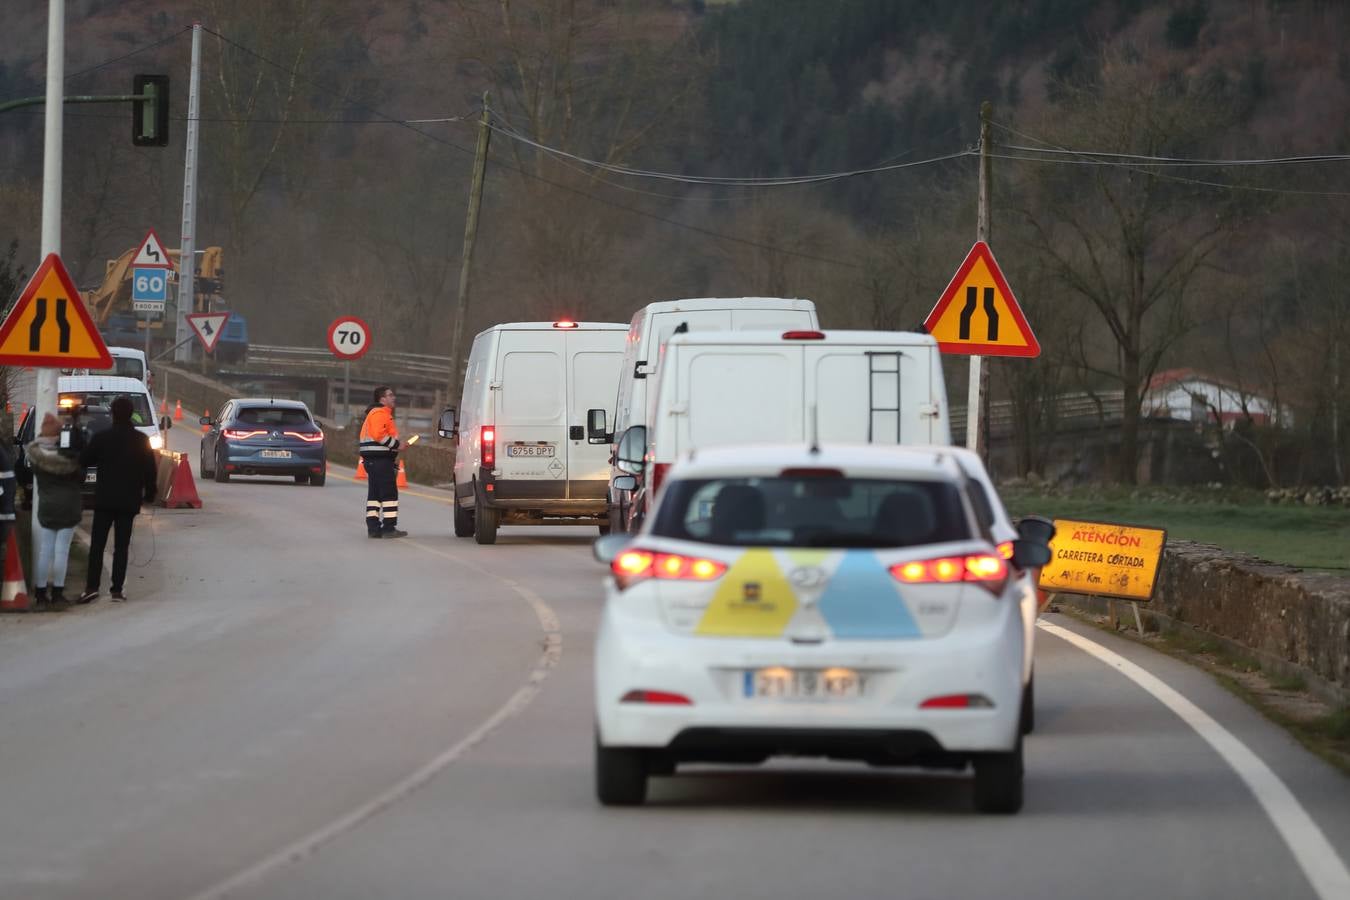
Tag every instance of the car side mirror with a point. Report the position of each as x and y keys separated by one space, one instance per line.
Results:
x=447 y=427
x=165 y=423
x=201 y=420
x=1031 y=550
x=625 y=482
x=596 y=433
x=605 y=549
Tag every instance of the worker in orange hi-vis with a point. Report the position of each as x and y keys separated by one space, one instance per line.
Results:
x=379 y=453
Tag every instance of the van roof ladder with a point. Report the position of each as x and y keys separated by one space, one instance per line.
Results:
x=882 y=364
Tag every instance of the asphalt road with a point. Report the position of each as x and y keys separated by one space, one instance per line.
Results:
x=286 y=709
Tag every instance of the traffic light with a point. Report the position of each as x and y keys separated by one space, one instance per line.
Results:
x=150 y=118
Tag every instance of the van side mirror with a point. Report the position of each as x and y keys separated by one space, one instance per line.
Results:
x=610 y=546
x=165 y=423
x=448 y=427
x=595 y=427
x=1031 y=550
x=625 y=482
x=632 y=450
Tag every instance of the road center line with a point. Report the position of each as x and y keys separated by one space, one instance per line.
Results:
x=307 y=845
x=1324 y=869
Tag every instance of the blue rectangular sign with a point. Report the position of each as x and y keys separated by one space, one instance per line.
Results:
x=149 y=285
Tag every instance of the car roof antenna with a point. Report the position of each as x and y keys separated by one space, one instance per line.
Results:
x=815 y=431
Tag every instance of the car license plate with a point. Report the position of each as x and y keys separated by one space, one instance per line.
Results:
x=529 y=449
x=781 y=683
x=276 y=454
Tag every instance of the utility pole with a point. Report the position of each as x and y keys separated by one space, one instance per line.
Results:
x=45 y=401
x=466 y=257
x=977 y=418
x=187 y=256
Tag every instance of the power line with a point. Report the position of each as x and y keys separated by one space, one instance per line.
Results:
x=117 y=59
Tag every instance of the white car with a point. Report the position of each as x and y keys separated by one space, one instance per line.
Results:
x=845 y=602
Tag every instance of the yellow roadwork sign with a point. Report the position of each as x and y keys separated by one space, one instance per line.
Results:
x=978 y=314
x=49 y=325
x=1104 y=559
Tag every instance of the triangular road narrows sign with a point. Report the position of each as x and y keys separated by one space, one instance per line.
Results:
x=977 y=314
x=208 y=327
x=151 y=253
x=49 y=325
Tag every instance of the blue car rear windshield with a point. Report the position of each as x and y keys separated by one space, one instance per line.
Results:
x=271 y=415
x=812 y=512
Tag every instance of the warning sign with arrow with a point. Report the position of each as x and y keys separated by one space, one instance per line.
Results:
x=49 y=325
x=151 y=254
x=208 y=327
x=978 y=314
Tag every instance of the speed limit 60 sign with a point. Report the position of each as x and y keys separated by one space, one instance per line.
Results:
x=349 y=338
x=149 y=289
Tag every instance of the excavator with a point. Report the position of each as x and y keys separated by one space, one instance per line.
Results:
x=110 y=305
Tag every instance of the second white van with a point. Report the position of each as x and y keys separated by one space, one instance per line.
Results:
x=532 y=426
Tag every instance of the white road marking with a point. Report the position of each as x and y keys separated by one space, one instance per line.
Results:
x=305 y=846
x=1324 y=869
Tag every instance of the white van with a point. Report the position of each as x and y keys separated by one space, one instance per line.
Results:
x=775 y=387
x=127 y=362
x=653 y=325
x=532 y=426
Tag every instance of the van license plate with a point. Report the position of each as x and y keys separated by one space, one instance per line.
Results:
x=529 y=449
x=276 y=454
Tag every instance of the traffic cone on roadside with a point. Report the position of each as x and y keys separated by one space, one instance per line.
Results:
x=14 y=595
x=402 y=480
x=182 y=491
x=360 y=469
x=163 y=405
x=178 y=411
x=207 y=414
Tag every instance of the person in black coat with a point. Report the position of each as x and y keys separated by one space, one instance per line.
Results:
x=126 y=474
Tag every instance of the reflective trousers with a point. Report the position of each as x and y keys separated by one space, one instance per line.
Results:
x=381 y=493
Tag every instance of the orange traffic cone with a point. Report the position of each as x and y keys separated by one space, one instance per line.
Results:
x=207 y=414
x=178 y=411
x=14 y=595
x=182 y=493
x=402 y=480
x=163 y=405
x=360 y=469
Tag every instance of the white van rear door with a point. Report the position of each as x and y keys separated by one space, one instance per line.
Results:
x=595 y=358
x=871 y=394
x=530 y=410
x=738 y=395
x=773 y=319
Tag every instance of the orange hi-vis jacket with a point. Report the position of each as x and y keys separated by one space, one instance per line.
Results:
x=379 y=435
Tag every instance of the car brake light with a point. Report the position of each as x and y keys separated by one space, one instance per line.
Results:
x=663 y=697
x=488 y=445
x=309 y=438
x=632 y=566
x=984 y=569
x=803 y=335
x=958 y=701
x=659 y=471
x=238 y=434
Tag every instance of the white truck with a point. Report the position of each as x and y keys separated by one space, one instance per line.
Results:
x=776 y=387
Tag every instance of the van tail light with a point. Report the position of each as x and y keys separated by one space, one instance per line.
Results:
x=632 y=566
x=238 y=434
x=488 y=446
x=803 y=335
x=988 y=570
x=659 y=471
x=662 y=697
x=307 y=437
x=958 y=701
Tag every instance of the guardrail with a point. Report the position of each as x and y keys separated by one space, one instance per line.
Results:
x=386 y=362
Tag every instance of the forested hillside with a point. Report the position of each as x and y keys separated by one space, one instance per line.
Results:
x=337 y=138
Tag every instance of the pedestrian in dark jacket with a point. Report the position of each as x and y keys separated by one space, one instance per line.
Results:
x=126 y=473
x=60 y=506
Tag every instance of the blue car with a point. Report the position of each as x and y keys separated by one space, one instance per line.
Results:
x=264 y=437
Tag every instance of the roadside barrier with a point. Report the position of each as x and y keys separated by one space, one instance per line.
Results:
x=14 y=595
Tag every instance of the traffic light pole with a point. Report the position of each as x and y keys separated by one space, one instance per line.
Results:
x=148 y=97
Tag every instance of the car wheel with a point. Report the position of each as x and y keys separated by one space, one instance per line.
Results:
x=318 y=480
x=302 y=479
x=219 y=472
x=202 y=470
x=998 y=781
x=620 y=776
x=463 y=520
x=1029 y=705
x=604 y=530
x=485 y=520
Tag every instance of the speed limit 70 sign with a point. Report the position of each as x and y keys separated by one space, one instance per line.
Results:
x=349 y=338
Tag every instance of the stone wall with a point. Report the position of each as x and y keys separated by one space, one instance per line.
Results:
x=1293 y=622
